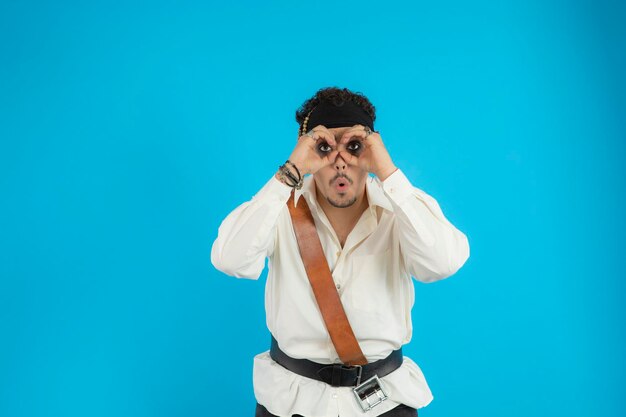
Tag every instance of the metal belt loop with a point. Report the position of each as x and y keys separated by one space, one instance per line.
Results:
x=359 y=374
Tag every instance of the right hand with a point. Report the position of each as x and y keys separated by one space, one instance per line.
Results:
x=308 y=156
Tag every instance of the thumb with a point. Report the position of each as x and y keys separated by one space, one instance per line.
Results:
x=331 y=157
x=349 y=158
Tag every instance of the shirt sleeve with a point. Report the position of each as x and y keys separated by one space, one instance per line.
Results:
x=432 y=248
x=247 y=235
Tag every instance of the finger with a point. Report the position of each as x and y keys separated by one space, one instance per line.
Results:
x=350 y=159
x=315 y=136
x=324 y=133
x=326 y=160
x=309 y=140
x=359 y=131
x=330 y=158
x=353 y=133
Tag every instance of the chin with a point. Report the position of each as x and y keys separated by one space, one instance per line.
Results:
x=342 y=202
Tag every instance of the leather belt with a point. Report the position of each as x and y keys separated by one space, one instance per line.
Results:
x=338 y=374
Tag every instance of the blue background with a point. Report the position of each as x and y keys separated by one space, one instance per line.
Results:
x=129 y=130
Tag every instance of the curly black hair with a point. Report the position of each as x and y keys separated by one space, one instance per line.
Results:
x=337 y=96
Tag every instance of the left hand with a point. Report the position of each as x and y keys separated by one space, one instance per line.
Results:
x=372 y=156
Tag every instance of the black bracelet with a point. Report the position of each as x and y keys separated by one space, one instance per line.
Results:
x=289 y=175
x=285 y=173
x=300 y=179
x=284 y=178
x=296 y=168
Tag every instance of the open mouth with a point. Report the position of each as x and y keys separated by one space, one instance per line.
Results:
x=341 y=184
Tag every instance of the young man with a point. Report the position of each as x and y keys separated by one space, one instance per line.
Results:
x=375 y=234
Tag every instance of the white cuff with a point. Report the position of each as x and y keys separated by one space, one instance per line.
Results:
x=274 y=190
x=398 y=187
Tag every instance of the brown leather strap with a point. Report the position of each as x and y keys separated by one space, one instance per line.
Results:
x=321 y=280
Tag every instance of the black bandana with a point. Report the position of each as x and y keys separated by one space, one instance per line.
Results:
x=347 y=114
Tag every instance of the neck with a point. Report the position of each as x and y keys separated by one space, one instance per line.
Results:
x=344 y=219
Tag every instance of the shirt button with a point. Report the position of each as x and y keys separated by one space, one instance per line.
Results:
x=335 y=396
x=338 y=286
x=338 y=253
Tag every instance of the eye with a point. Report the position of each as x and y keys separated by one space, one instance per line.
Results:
x=354 y=146
x=324 y=147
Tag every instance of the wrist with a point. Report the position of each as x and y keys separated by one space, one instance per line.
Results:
x=281 y=178
x=386 y=172
x=299 y=163
x=290 y=175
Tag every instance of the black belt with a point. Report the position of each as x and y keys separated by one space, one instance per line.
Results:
x=338 y=374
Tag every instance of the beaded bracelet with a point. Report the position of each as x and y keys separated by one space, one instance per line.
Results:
x=288 y=177
x=296 y=168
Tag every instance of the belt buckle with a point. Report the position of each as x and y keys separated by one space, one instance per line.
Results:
x=370 y=393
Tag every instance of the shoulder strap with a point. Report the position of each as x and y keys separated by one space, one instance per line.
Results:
x=323 y=286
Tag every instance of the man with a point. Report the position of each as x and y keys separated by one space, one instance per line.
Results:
x=375 y=233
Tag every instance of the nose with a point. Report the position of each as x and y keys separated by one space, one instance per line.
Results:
x=340 y=164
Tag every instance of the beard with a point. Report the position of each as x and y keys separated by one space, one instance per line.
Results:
x=338 y=204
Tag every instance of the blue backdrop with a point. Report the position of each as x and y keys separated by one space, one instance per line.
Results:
x=129 y=130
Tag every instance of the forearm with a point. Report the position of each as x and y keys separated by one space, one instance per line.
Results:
x=431 y=246
x=247 y=234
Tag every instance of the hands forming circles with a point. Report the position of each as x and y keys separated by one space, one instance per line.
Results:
x=353 y=142
x=366 y=152
x=359 y=146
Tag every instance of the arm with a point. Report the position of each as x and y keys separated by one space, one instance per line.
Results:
x=432 y=248
x=248 y=233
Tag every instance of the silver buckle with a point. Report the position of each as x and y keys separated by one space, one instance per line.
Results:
x=370 y=393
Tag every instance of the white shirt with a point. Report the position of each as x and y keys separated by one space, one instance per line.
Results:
x=403 y=233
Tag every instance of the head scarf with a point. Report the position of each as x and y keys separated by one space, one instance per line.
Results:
x=343 y=115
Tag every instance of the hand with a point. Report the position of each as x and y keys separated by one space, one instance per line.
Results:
x=313 y=153
x=366 y=151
